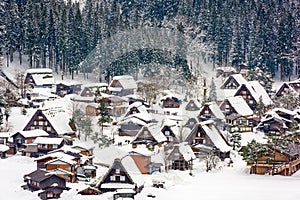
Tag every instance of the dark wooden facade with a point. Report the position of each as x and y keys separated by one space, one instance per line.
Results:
x=117 y=175
x=63 y=89
x=40 y=121
x=178 y=162
x=288 y=87
x=41 y=180
x=230 y=83
x=238 y=123
x=144 y=136
x=171 y=137
x=171 y=102
x=129 y=129
x=90 y=191
x=247 y=96
x=192 y=106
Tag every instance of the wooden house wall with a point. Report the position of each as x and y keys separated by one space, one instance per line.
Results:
x=240 y=124
x=39 y=121
x=117 y=174
x=144 y=136
x=205 y=113
x=191 y=123
x=66 y=167
x=19 y=140
x=169 y=103
x=191 y=106
x=247 y=96
x=171 y=138
x=227 y=108
x=231 y=83
x=49 y=147
x=278 y=158
x=129 y=129
x=178 y=161
x=87 y=92
x=91 y=110
x=199 y=136
x=29 y=80
x=61 y=182
x=271 y=126
x=41 y=163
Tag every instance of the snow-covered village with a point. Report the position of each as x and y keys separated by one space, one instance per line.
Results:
x=174 y=99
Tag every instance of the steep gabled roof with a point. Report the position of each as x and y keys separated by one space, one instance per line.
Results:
x=238 y=78
x=239 y=105
x=154 y=131
x=215 y=109
x=117 y=164
x=127 y=82
x=33 y=133
x=57 y=117
x=256 y=90
x=48 y=140
x=185 y=150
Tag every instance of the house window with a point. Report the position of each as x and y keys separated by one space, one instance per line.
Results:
x=44 y=146
x=122 y=178
x=32 y=127
x=167 y=133
x=48 y=128
x=41 y=123
x=35 y=123
x=206 y=111
x=54 y=146
x=40 y=117
x=112 y=178
x=251 y=102
x=192 y=123
x=117 y=171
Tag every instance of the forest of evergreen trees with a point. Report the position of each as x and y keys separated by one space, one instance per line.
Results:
x=60 y=34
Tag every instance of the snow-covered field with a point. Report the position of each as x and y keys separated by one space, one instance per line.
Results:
x=231 y=183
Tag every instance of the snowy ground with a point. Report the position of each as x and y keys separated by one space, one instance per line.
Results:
x=231 y=183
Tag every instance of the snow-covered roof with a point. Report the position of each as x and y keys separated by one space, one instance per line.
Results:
x=83 y=98
x=59 y=120
x=249 y=136
x=237 y=77
x=155 y=131
x=43 y=79
x=240 y=105
x=214 y=134
x=57 y=154
x=186 y=151
x=33 y=133
x=215 y=109
x=290 y=112
x=45 y=140
x=127 y=82
x=226 y=69
x=117 y=185
x=5 y=134
x=3 y=148
x=260 y=91
x=58 y=171
x=39 y=71
x=91 y=85
x=61 y=160
x=132 y=119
